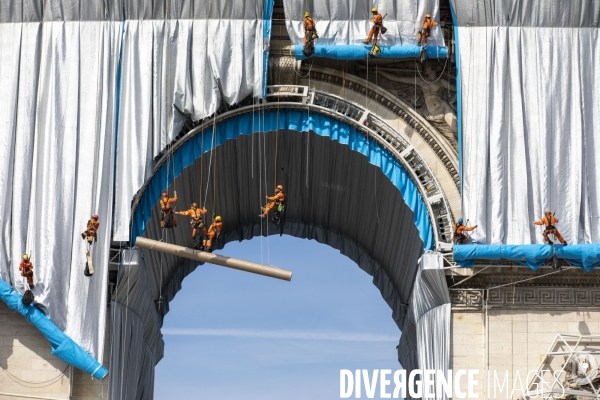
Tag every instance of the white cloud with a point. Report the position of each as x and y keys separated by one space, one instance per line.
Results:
x=283 y=334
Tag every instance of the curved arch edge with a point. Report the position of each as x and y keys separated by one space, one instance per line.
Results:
x=294 y=120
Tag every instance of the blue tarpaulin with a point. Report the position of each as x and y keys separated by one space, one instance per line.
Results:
x=360 y=52
x=292 y=120
x=586 y=256
x=62 y=346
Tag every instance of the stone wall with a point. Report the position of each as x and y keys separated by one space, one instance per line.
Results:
x=28 y=370
x=26 y=365
x=517 y=340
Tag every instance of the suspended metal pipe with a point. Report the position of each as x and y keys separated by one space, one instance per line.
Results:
x=210 y=258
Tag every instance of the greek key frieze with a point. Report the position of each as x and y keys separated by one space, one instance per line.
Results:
x=528 y=297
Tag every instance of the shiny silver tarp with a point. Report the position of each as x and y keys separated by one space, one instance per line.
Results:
x=531 y=13
x=70 y=72
x=425 y=342
x=530 y=117
x=326 y=182
x=341 y=22
x=56 y=165
x=174 y=69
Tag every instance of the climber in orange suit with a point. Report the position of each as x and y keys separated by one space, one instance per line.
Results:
x=549 y=220
x=92 y=227
x=277 y=199
x=26 y=268
x=459 y=232
x=213 y=230
x=310 y=30
x=377 y=27
x=425 y=31
x=165 y=208
x=196 y=214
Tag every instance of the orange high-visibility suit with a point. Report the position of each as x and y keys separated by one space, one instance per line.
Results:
x=277 y=199
x=310 y=29
x=549 y=221
x=90 y=232
x=374 y=32
x=26 y=268
x=196 y=215
x=459 y=232
x=213 y=229
x=425 y=31
x=165 y=208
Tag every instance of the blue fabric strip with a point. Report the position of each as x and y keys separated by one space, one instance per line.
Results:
x=586 y=256
x=62 y=346
x=267 y=16
x=293 y=120
x=458 y=95
x=117 y=105
x=361 y=52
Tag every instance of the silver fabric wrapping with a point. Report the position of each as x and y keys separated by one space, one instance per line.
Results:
x=425 y=341
x=56 y=136
x=349 y=22
x=60 y=64
x=530 y=117
x=173 y=69
x=532 y=13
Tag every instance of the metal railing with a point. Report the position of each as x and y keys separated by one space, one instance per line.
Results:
x=421 y=174
x=303 y=98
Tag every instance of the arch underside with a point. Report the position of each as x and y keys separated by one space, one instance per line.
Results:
x=337 y=198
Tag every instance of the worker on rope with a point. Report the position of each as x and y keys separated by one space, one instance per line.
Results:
x=26 y=268
x=310 y=34
x=214 y=230
x=195 y=213
x=425 y=30
x=459 y=232
x=377 y=27
x=278 y=199
x=168 y=219
x=92 y=228
x=549 y=220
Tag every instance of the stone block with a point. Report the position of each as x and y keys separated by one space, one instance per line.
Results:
x=500 y=348
x=48 y=365
x=23 y=353
x=519 y=326
x=457 y=339
x=460 y=350
x=499 y=326
x=500 y=361
x=519 y=337
x=31 y=341
x=519 y=349
x=21 y=364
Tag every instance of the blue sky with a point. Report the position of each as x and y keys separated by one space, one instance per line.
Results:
x=235 y=335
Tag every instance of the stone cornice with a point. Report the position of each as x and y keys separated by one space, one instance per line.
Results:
x=527 y=297
x=446 y=155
